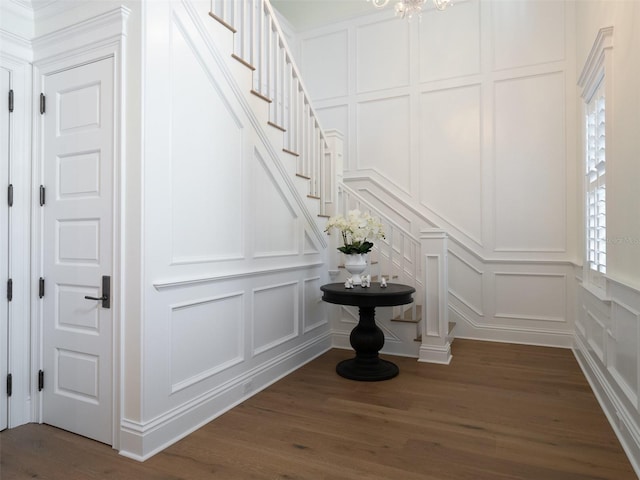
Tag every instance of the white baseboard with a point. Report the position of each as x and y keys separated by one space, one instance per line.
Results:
x=619 y=417
x=141 y=441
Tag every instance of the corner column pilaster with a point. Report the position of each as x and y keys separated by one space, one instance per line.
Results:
x=436 y=345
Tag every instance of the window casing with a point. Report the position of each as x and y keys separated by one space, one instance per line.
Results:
x=595 y=82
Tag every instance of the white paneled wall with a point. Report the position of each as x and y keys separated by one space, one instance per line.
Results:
x=530 y=167
x=607 y=337
x=233 y=259
x=608 y=321
x=452 y=116
x=465 y=120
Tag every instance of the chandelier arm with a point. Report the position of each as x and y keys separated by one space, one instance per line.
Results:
x=441 y=4
x=409 y=8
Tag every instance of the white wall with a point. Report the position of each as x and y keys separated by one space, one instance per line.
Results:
x=608 y=325
x=466 y=120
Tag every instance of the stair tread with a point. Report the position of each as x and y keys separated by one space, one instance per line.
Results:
x=263 y=97
x=243 y=62
x=407 y=316
x=290 y=152
x=275 y=125
x=222 y=22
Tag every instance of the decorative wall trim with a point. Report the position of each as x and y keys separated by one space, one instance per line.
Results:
x=194 y=281
x=306 y=326
x=109 y=27
x=181 y=385
x=597 y=349
x=295 y=330
x=515 y=315
x=594 y=65
x=16 y=47
x=512 y=334
x=465 y=302
x=477 y=310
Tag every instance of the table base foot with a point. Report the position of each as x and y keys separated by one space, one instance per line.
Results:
x=367 y=372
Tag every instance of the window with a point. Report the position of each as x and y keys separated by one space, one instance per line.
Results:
x=595 y=184
x=593 y=80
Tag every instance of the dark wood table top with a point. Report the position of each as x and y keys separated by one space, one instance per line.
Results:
x=374 y=296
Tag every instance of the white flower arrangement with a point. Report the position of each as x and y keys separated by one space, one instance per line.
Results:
x=357 y=230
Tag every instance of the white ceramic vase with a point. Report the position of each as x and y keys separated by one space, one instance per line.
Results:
x=356 y=264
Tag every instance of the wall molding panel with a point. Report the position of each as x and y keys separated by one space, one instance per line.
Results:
x=207 y=332
x=437 y=30
x=512 y=21
x=542 y=295
x=391 y=42
x=275 y=316
x=607 y=347
x=315 y=311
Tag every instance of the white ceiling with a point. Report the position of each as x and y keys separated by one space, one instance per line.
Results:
x=303 y=14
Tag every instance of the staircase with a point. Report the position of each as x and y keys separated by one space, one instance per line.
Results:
x=259 y=47
x=420 y=329
x=259 y=51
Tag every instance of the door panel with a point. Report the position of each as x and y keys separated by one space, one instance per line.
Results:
x=5 y=145
x=78 y=154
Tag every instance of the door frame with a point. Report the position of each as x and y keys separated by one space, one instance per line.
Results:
x=100 y=37
x=16 y=57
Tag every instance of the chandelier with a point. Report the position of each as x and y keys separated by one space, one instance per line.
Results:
x=409 y=8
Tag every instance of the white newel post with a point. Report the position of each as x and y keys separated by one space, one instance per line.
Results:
x=333 y=171
x=435 y=347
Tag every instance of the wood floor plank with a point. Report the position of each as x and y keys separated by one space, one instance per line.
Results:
x=498 y=412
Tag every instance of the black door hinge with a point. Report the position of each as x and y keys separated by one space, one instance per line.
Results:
x=42 y=195
x=10 y=101
x=10 y=289
x=9 y=385
x=43 y=103
x=10 y=195
x=41 y=287
x=40 y=380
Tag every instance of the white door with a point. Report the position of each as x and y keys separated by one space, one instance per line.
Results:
x=78 y=149
x=4 y=245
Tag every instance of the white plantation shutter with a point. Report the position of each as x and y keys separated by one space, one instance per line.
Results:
x=595 y=183
x=595 y=89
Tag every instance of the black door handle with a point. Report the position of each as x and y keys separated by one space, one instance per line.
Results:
x=102 y=298
x=106 y=292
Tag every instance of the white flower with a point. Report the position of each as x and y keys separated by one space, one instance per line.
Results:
x=357 y=229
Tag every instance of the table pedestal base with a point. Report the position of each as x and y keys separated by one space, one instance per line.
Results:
x=367 y=339
x=353 y=369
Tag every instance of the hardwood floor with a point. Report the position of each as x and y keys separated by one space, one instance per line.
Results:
x=497 y=412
